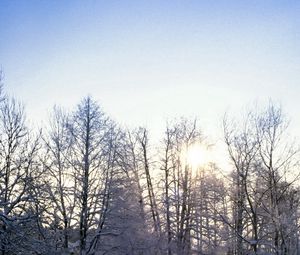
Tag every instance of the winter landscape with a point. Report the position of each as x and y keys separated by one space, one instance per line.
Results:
x=149 y=127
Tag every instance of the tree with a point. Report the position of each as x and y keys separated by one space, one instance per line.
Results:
x=263 y=163
x=143 y=140
x=60 y=185
x=177 y=184
x=242 y=148
x=18 y=171
x=280 y=164
x=92 y=160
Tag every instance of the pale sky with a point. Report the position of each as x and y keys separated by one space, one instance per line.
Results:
x=147 y=61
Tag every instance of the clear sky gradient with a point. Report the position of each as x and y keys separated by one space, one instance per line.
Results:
x=147 y=61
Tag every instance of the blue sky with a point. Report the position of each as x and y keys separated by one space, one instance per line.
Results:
x=147 y=61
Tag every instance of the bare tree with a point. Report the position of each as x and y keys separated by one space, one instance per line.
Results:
x=242 y=147
x=280 y=163
x=90 y=132
x=177 y=184
x=143 y=140
x=263 y=163
x=168 y=159
x=18 y=169
x=59 y=182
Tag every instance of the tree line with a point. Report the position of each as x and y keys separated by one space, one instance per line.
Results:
x=84 y=185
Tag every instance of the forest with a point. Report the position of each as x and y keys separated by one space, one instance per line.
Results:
x=85 y=185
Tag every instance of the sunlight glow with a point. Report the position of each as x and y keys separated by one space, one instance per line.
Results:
x=197 y=155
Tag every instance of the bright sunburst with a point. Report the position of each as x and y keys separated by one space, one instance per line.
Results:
x=197 y=155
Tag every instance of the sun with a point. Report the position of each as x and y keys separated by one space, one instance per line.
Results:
x=197 y=155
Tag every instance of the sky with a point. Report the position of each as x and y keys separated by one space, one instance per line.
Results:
x=150 y=61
